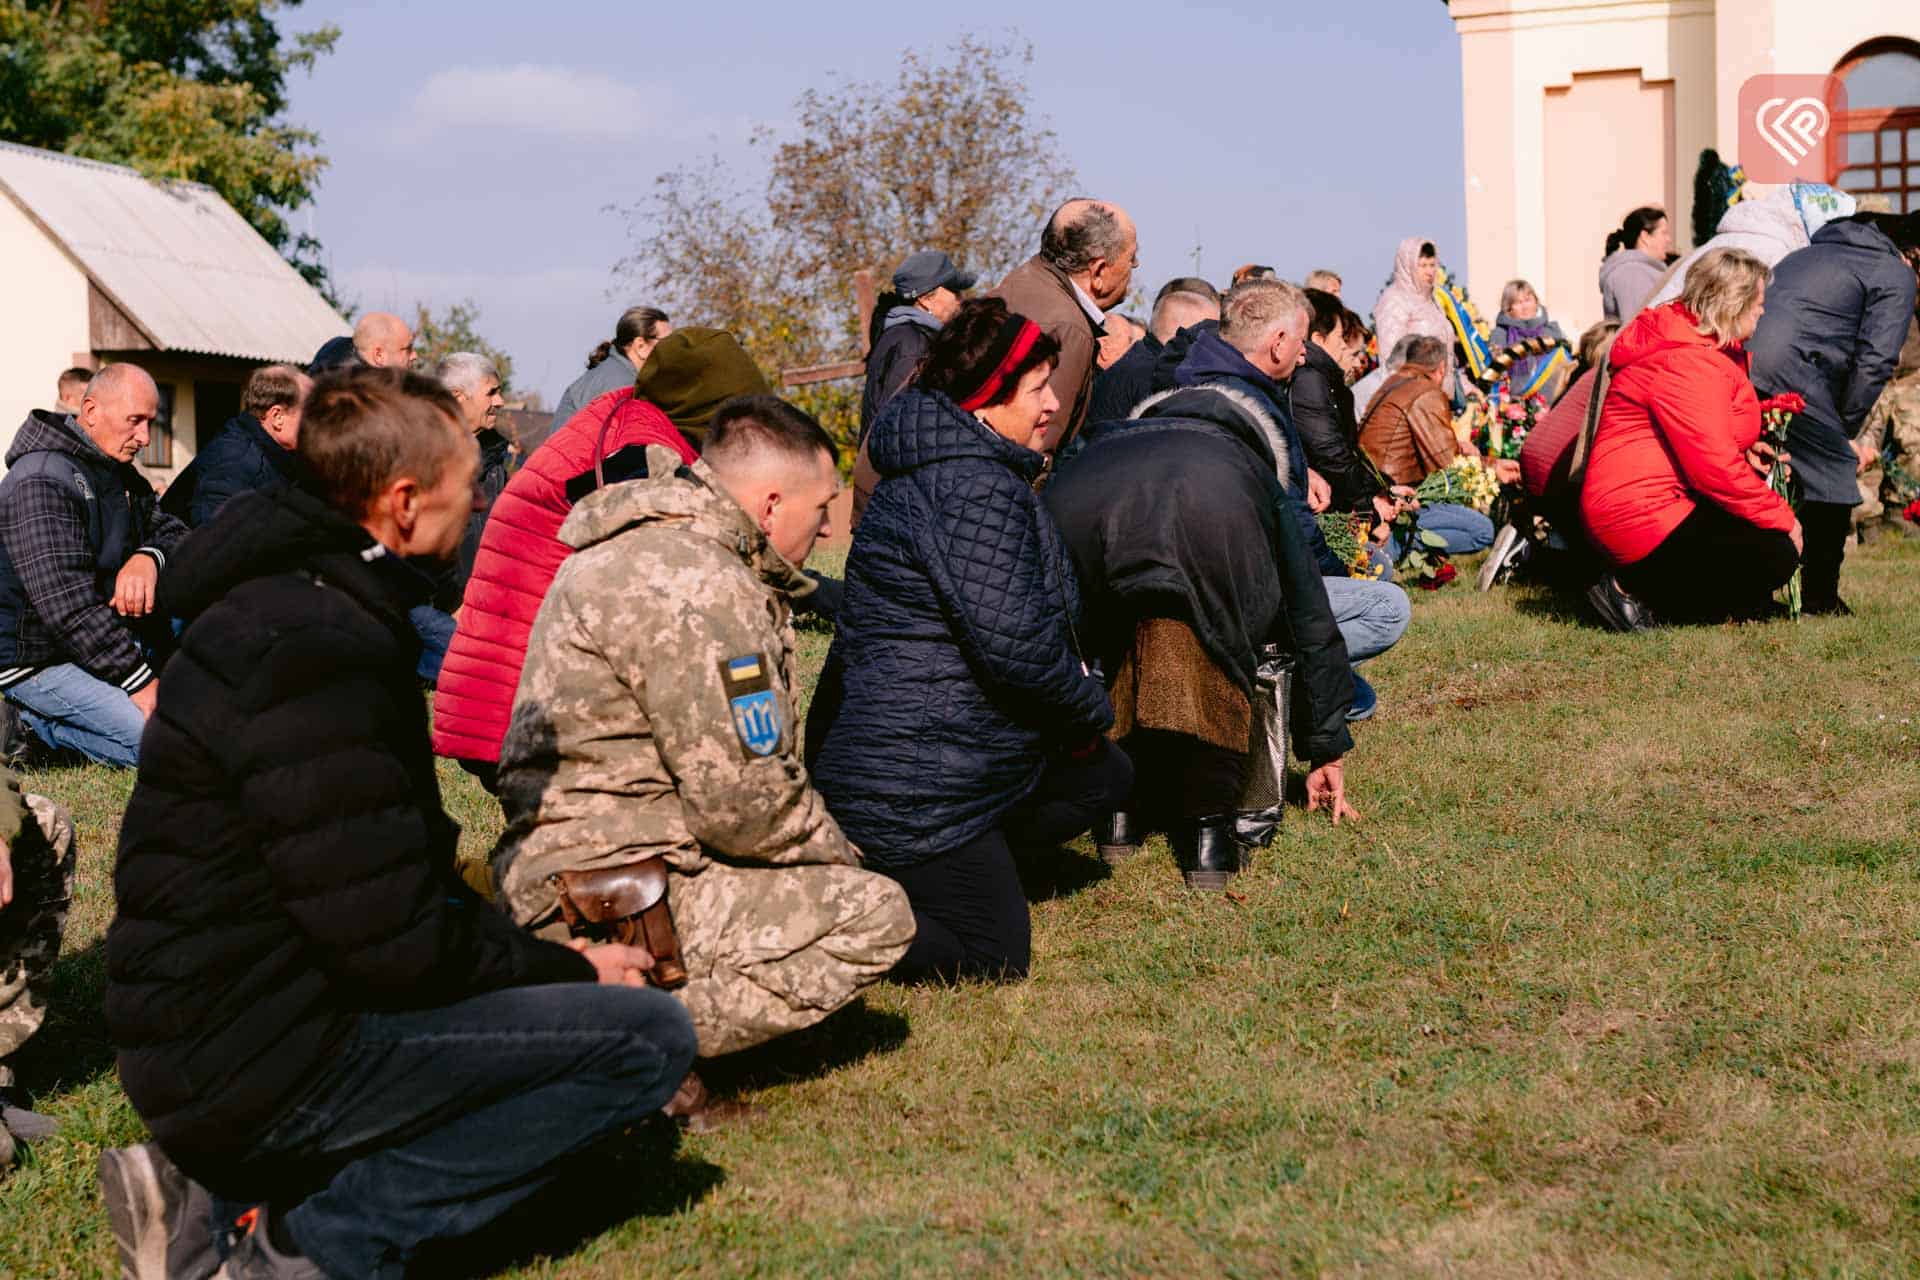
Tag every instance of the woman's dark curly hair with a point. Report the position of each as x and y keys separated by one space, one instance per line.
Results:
x=962 y=355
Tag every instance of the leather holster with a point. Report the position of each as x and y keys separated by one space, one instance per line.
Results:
x=626 y=904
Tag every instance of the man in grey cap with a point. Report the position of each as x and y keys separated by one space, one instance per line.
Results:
x=926 y=292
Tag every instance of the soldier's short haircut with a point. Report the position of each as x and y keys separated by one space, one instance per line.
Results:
x=365 y=428
x=1254 y=308
x=75 y=378
x=273 y=386
x=745 y=425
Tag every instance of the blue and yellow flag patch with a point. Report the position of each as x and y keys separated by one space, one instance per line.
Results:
x=758 y=720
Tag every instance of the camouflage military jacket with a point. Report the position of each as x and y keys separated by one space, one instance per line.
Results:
x=656 y=711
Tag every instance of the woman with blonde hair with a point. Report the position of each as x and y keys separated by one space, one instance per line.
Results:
x=1674 y=493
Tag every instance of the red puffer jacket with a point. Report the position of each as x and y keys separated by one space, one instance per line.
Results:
x=519 y=554
x=1680 y=416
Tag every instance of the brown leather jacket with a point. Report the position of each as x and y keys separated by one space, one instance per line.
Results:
x=1042 y=293
x=1409 y=430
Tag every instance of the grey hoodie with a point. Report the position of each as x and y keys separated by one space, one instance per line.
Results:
x=1627 y=280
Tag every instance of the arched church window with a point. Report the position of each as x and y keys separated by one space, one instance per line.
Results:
x=1881 y=127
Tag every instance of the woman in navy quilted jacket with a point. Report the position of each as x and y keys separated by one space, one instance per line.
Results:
x=956 y=719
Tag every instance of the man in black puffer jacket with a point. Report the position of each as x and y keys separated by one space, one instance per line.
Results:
x=254 y=451
x=312 y=1013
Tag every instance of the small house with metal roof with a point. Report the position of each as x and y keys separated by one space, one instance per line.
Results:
x=100 y=264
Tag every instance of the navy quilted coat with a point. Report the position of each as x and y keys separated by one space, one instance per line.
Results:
x=953 y=673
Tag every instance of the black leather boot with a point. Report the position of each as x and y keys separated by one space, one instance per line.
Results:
x=1210 y=855
x=1118 y=837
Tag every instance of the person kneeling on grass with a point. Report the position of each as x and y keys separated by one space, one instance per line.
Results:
x=651 y=774
x=955 y=718
x=1674 y=493
x=312 y=1013
x=36 y=884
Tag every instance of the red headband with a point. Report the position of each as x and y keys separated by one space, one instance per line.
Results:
x=1025 y=334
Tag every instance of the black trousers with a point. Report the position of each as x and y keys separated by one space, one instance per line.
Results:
x=1712 y=567
x=968 y=908
x=1825 y=528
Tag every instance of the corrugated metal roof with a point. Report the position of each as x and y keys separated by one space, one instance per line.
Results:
x=183 y=264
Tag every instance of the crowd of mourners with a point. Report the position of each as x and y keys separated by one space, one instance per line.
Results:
x=1090 y=582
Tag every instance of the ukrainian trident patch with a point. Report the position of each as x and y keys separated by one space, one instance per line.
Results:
x=757 y=718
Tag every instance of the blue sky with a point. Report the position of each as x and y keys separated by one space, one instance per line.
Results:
x=475 y=147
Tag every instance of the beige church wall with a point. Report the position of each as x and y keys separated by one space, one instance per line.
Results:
x=45 y=325
x=1513 y=53
x=1590 y=121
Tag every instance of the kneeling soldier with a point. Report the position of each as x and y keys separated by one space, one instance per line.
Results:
x=651 y=775
x=36 y=884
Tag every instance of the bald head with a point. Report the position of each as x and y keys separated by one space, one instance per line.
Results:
x=117 y=410
x=1095 y=245
x=384 y=340
x=1180 y=310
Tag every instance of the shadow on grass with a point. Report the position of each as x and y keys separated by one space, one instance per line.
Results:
x=854 y=1033
x=1046 y=874
x=72 y=1046
x=642 y=1175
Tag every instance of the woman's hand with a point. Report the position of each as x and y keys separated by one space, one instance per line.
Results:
x=1506 y=470
x=1762 y=457
x=1327 y=789
x=1405 y=497
x=1865 y=453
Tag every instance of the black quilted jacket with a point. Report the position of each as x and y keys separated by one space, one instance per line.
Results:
x=954 y=671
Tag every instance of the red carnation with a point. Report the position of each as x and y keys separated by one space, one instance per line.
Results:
x=1913 y=511
x=1785 y=402
x=1447 y=573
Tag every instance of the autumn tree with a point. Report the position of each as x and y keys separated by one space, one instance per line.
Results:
x=437 y=336
x=949 y=155
x=192 y=90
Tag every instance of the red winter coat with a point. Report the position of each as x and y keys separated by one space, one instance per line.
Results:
x=520 y=551
x=1680 y=416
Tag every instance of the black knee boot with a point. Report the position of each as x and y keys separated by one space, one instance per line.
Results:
x=1118 y=837
x=1209 y=854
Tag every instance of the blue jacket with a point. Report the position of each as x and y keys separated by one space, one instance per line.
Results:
x=1837 y=314
x=242 y=458
x=954 y=671
x=1213 y=361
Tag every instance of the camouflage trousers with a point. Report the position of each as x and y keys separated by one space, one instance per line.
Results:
x=771 y=950
x=1894 y=424
x=43 y=861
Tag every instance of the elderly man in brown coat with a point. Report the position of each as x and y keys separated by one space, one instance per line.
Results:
x=1086 y=260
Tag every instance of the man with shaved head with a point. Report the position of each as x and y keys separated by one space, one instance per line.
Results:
x=1088 y=251
x=1182 y=303
x=381 y=340
x=82 y=542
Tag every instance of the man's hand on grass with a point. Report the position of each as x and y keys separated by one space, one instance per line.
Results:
x=1327 y=789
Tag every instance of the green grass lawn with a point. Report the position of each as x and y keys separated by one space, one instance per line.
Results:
x=1617 y=976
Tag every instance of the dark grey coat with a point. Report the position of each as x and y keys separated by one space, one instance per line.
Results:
x=611 y=374
x=1837 y=314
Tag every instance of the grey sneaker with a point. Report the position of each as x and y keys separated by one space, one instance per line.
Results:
x=1509 y=549
x=162 y=1220
x=26 y=1126
x=255 y=1258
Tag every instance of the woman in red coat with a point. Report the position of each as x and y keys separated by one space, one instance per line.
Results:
x=1674 y=493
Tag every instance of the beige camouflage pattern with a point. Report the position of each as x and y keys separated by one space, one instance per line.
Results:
x=1894 y=425
x=624 y=744
x=42 y=856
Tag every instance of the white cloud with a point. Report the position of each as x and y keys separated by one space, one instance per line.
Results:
x=548 y=101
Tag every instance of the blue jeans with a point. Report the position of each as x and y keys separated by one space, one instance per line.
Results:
x=66 y=707
x=429 y=1125
x=435 y=629
x=1371 y=616
x=1465 y=530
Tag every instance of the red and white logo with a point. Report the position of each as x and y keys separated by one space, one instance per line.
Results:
x=1787 y=128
